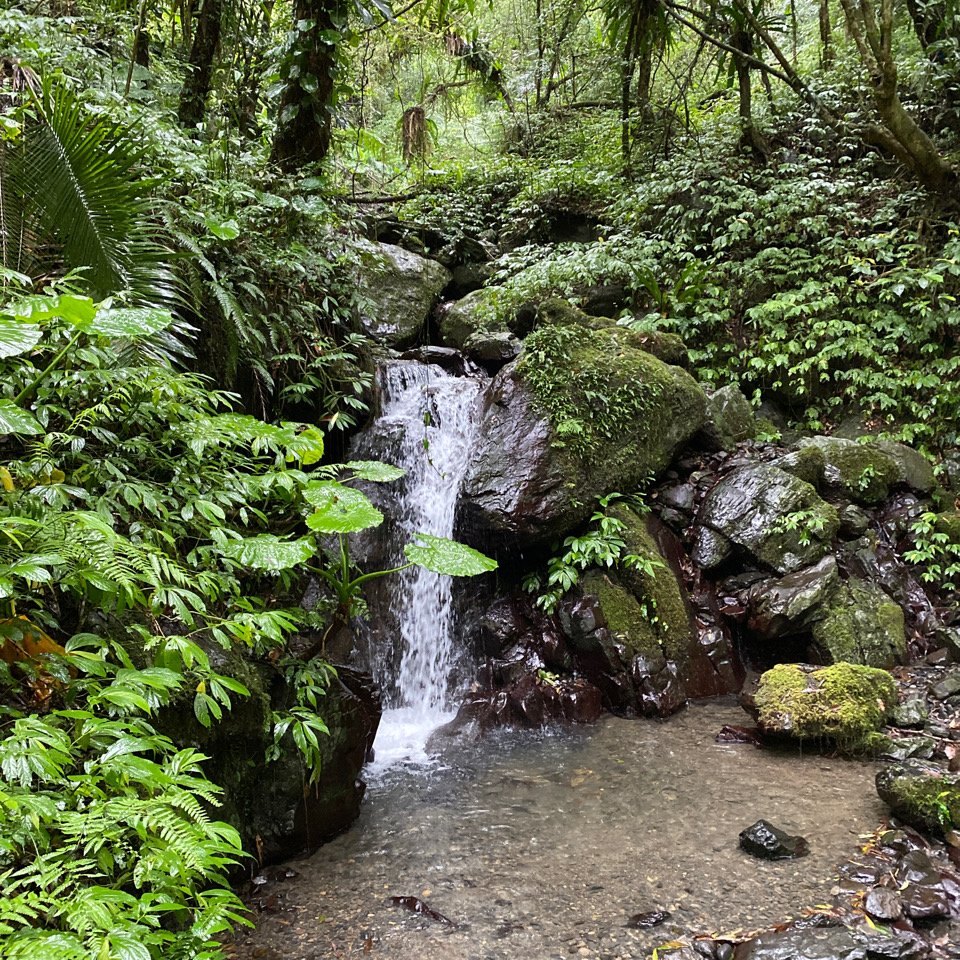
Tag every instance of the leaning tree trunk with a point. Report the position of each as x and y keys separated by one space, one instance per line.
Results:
x=898 y=133
x=303 y=126
x=196 y=85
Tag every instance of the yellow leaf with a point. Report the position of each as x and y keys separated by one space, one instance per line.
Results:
x=6 y=481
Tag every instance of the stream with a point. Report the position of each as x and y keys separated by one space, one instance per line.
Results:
x=544 y=846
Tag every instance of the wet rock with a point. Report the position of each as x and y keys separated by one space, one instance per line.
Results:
x=494 y=347
x=922 y=891
x=768 y=842
x=862 y=471
x=402 y=288
x=446 y=357
x=854 y=522
x=922 y=794
x=913 y=470
x=710 y=548
x=471 y=316
x=949 y=686
x=844 y=702
x=730 y=419
x=860 y=624
x=827 y=943
x=787 y=606
x=883 y=904
x=778 y=519
x=807 y=463
x=910 y=713
x=904 y=748
x=545 y=450
x=652 y=918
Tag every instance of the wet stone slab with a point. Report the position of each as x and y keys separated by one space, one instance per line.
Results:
x=547 y=847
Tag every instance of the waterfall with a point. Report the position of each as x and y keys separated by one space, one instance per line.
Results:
x=427 y=424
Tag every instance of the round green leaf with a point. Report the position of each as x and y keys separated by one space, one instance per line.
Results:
x=17 y=337
x=14 y=419
x=222 y=229
x=339 y=509
x=127 y=322
x=374 y=470
x=268 y=552
x=448 y=557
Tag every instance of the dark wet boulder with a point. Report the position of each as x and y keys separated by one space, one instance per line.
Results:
x=778 y=519
x=788 y=606
x=492 y=347
x=854 y=522
x=401 y=289
x=913 y=470
x=883 y=904
x=859 y=623
x=922 y=793
x=764 y=840
x=580 y=413
x=730 y=419
x=809 y=942
x=845 y=702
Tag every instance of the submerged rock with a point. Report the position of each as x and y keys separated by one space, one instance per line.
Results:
x=922 y=794
x=580 y=413
x=777 y=518
x=828 y=943
x=402 y=288
x=768 y=842
x=844 y=702
x=859 y=623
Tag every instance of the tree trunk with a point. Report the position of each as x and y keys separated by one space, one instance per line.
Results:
x=826 y=34
x=927 y=18
x=203 y=50
x=303 y=126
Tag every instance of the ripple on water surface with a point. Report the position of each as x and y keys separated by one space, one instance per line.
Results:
x=543 y=846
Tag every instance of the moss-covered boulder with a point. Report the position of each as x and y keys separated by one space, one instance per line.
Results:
x=730 y=419
x=401 y=289
x=807 y=463
x=580 y=413
x=948 y=523
x=923 y=794
x=778 y=519
x=844 y=702
x=859 y=623
x=473 y=314
x=866 y=472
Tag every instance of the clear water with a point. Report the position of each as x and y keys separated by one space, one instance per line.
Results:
x=433 y=417
x=543 y=846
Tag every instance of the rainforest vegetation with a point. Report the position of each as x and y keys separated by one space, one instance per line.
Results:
x=184 y=189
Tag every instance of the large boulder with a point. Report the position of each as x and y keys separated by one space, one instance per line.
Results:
x=859 y=623
x=922 y=793
x=730 y=419
x=582 y=412
x=401 y=289
x=865 y=472
x=777 y=518
x=789 y=605
x=844 y=702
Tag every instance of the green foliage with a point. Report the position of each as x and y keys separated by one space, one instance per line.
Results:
x=936 y=551
x=601 y=546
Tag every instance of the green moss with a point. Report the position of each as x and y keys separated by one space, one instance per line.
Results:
x=807 y=464
x=474 y=314
x=624 y=615
x=949 y=523
x=861 y=624
x=865 y=472
x=845 y=702
x=922 y=794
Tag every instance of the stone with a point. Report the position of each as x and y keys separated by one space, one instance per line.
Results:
x=668 y=347
x=949 y=524
x=913 y=469
x=775 y=517
x=910 y=713
x=854 y=522
x=862 y=471
x=768 y=842
x=474 y=314
x=401 y=289
x=730 y=419
x=710 y=548
x=495 y=347
x=580 y=413
x=922 y=793
x=845 y=703
x=787 y=606
x=947 y=687
x=883 y=904
x=859 y=623
x=807 y=463
x=838 y=942
x=903 y=748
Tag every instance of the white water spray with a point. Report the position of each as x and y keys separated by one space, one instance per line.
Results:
x=434 y=415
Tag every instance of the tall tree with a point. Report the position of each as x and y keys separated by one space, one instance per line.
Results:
x=203 y=52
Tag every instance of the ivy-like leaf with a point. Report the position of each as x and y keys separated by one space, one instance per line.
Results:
x=267 y=552
x=339 y=509
x=448 y=557
x=14 y=419
x=374 y=470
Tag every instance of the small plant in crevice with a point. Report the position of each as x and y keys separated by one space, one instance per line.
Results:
x=936 y=552
x=602 y=546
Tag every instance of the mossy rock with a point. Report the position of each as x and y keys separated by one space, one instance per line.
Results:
x=859 y=623
x=845 y=702
x=730 y=419
x=472 y=316
x=863 y=471
x=580 y=413
x=668 y=347
x=807 y=463
x=923 y=794
x=949 y=524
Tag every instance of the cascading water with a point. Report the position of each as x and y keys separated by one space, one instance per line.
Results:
x=427 y=425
